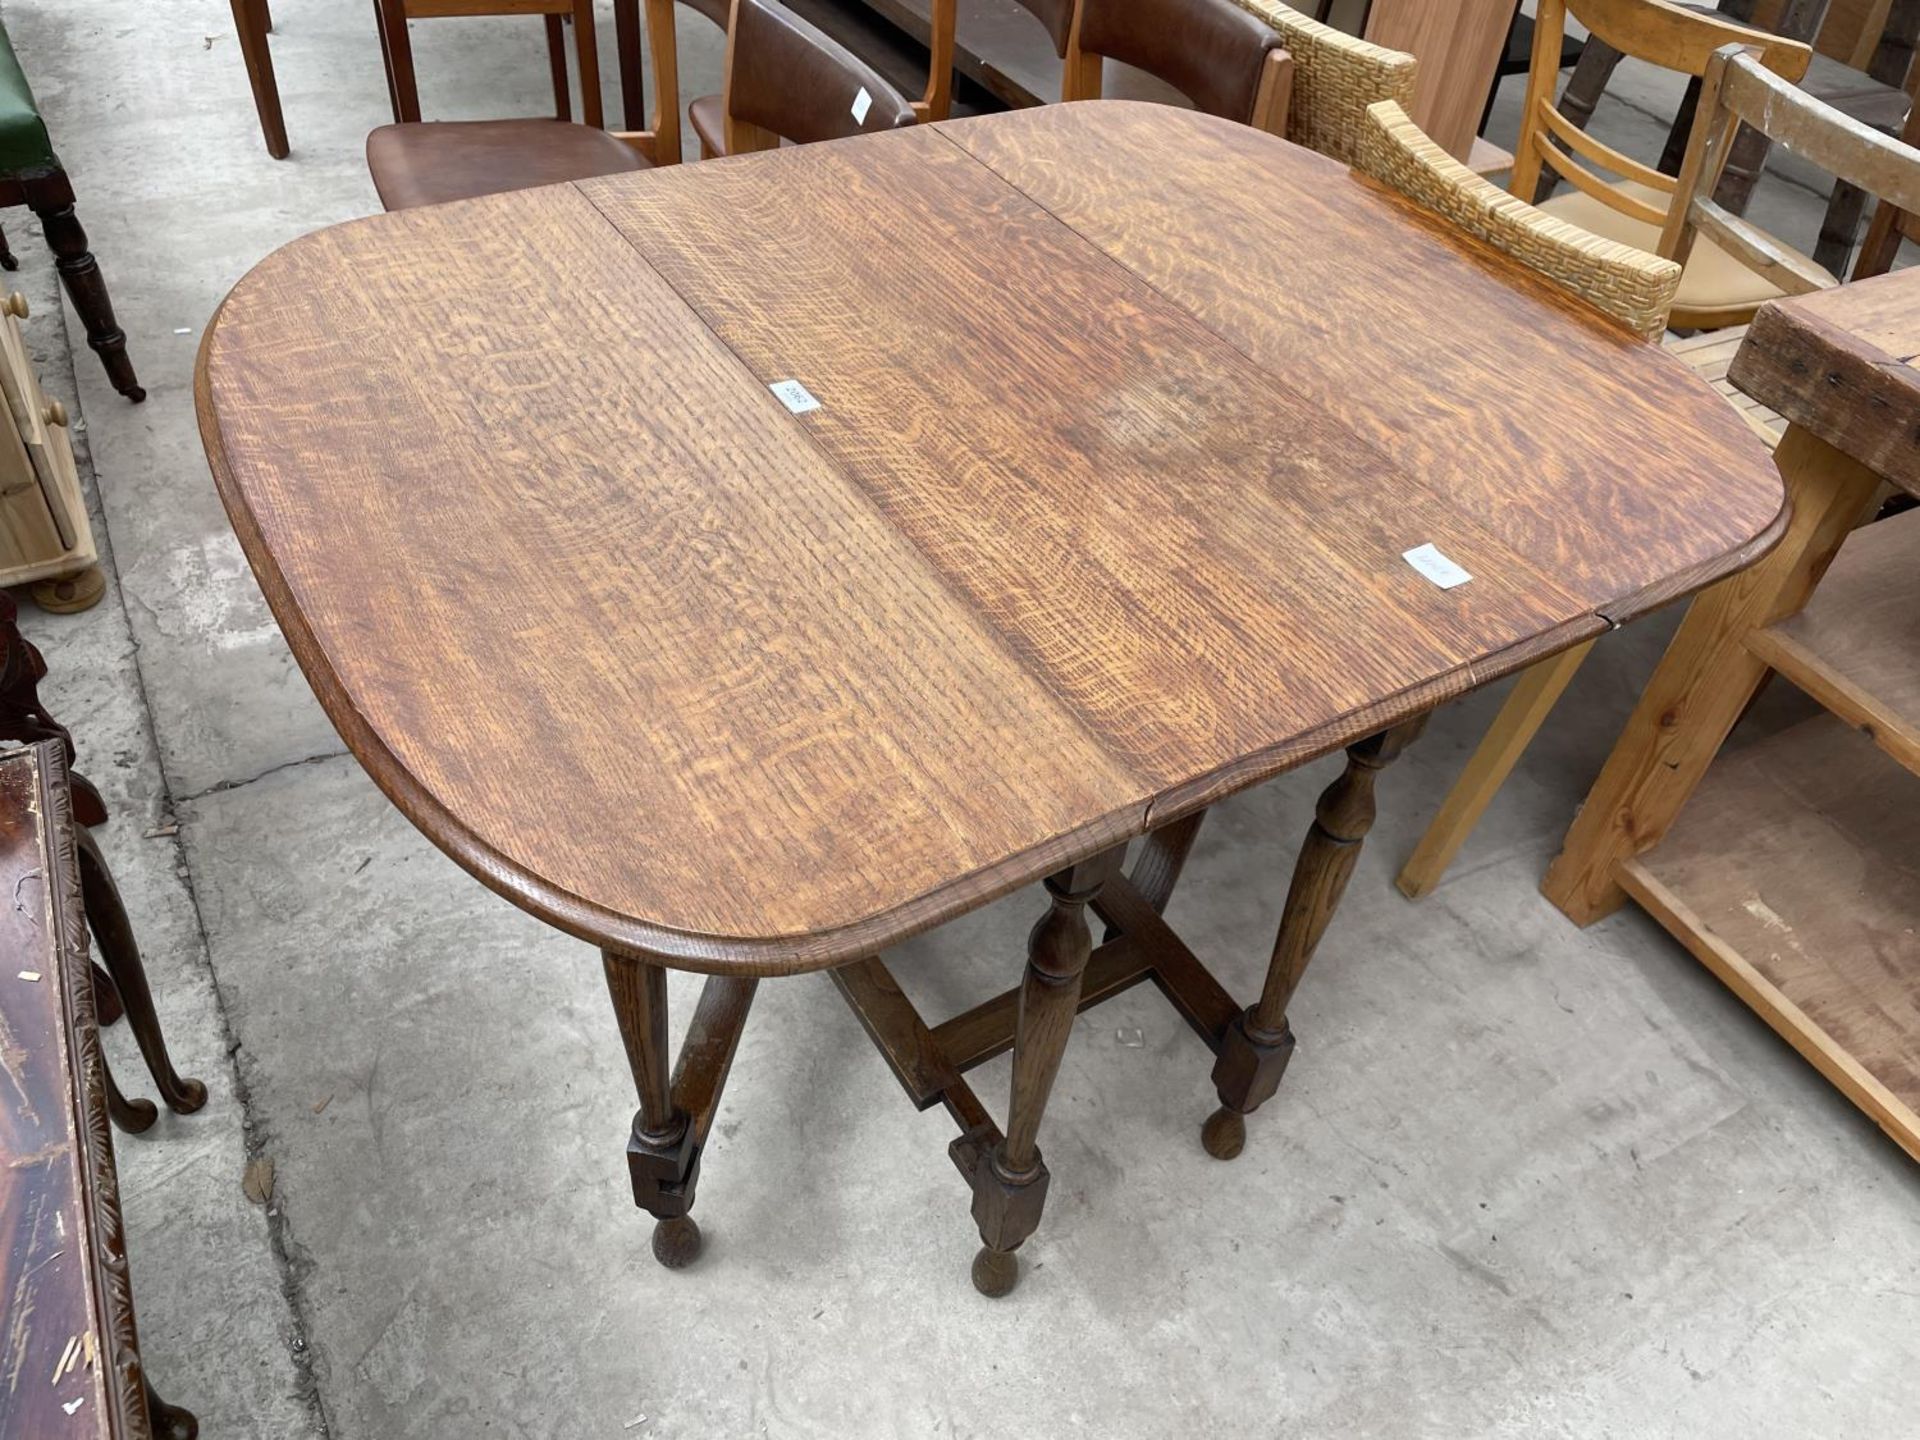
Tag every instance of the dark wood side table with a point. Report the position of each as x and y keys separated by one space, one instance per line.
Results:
x=71 y=1365
x=1791 y=868
x=830 y=541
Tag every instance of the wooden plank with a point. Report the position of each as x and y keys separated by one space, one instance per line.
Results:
x=1840 y=362
x=1459 y=44
x=918 y=1060
x=1856 y=646
x=1794 y=874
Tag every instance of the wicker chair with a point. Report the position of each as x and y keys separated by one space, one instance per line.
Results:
x=1335 y=78
x=1630 y=286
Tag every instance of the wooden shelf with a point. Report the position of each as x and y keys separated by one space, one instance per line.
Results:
x=1794 y=875
x=1856 y=647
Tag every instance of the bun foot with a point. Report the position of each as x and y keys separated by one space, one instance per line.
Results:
x=1225 y=1134
x=70 y=594
x=995 y=1272
x=676 y=1242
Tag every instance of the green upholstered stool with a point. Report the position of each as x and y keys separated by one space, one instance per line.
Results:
x=31 y=175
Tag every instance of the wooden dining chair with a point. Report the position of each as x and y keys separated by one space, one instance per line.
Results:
x=424 y=163
x=1737 y=89
x=396 y=47
x=707 y=113
x=1715 y=288
x=789 y=80
x=1223 y=57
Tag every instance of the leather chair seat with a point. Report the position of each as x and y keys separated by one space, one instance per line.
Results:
x=1714 y=287
x=429 y=162
x=24 y=146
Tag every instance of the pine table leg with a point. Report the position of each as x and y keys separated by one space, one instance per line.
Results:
x=1704 y=682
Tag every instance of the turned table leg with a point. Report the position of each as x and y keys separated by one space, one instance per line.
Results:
x=670 y=1128
x=660 y=1152
x=1010 y=1180
x=1254 y=1054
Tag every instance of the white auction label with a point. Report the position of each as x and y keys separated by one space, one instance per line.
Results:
x=1436 y=567
x=795 y=396
x=862 y=103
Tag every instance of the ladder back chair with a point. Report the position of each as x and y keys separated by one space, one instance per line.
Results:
x=707 y=114
x=1736 y=89
x=1223 y=57
x=788 y=80
x=424 y=163
x=1715 y=289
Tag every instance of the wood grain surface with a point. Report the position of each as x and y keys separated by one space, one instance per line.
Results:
x=1070 y=545
x=1841 y=363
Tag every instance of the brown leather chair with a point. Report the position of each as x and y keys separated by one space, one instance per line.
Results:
x=415 y=163
x=708 y=113
x=1225 y=59
x=787 y=80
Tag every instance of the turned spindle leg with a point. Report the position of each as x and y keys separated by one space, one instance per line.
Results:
x=660 y=1152
x=1257 y=1047
x=1010 y=1180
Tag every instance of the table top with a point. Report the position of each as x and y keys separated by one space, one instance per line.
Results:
x=1125 y=419
x=1842 y=363
x=65 y=1307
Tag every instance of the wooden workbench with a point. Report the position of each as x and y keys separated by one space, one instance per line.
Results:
x=1791 y=867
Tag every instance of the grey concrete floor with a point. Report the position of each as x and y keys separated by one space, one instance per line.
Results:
x=1523 y=1180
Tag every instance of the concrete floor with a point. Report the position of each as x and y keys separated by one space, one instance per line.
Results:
x=1523 y=1180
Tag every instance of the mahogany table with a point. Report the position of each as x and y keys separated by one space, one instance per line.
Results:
x=1111 y=427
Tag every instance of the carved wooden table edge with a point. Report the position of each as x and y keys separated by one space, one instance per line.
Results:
x=133 y=1408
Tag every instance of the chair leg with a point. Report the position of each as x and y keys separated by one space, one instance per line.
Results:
x=1500 y=749
x=1841 y=229
x=252 y=22
x=557 y=63
x=88 y=290
x=7 y=259
x=113 y=934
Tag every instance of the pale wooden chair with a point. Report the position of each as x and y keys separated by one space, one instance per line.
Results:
x=1716 y=289
x=1736 y=88
x=707 y=113
x=1223 y=57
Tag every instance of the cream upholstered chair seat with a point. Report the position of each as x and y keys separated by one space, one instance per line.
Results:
x=1712 y=284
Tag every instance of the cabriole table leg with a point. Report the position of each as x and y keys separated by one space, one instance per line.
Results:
x=1010 y=1179
x=1257 y=1046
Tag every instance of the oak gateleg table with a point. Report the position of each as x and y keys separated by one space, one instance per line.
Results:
x=1112 y=426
